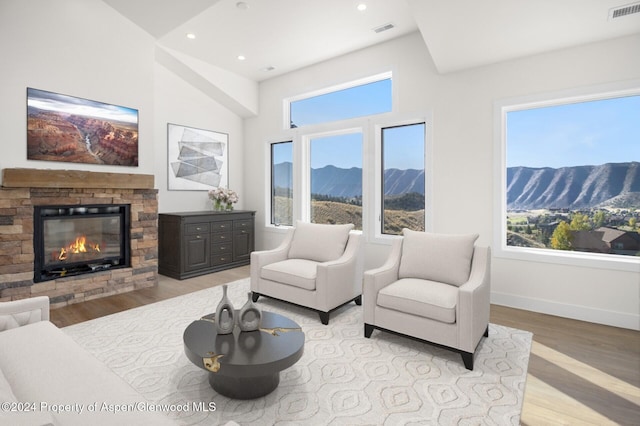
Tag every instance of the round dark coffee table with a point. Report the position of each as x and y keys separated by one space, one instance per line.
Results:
x=244 y=364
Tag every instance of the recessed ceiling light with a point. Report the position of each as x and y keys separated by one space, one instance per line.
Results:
x=361 y=7
x=242 y=5
x=267 y=68
x=241 y=57
x=191 y=36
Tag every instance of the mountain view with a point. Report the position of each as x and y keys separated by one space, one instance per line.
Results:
x=580 y=187
x=336 y=182
x=337 y=196
x=592 y=209
x=574 y=188
x=582 y=208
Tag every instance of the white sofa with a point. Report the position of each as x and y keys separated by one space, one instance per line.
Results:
x=46 y=378
x=317 y=266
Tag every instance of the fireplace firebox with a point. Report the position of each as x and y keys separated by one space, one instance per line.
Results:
x=80 y=239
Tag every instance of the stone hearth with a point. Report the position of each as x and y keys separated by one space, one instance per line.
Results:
x=24 y=188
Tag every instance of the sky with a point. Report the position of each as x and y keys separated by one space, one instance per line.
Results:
x=71 y=105
x=579 y=134
x=404 y=149
x=575 y=134
x=367 y=99
x=345 y=151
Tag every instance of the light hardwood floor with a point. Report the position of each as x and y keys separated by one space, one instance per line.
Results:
x=579 y=373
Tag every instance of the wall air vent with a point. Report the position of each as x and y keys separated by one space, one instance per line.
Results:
x=383 y=28
x=619 y=12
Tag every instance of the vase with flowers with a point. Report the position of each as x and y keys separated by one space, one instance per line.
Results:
x=223 y=198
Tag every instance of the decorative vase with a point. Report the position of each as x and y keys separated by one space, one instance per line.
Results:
x=217 y=205
x=225 y=315
x=230 y=206
x=250 y=315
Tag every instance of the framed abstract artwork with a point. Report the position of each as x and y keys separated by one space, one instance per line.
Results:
x=198 y=158
x=75 y=130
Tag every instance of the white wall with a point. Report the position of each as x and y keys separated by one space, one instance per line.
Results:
x=84 y=48
x=179 y=103
x=81 y=48
x=463 y=166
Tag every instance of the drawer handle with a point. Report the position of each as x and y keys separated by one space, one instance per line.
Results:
x=198 y=237
x=198 y=228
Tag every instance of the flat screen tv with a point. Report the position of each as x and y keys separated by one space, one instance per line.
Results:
x=76 y=130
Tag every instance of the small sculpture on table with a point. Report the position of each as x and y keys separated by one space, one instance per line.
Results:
x=225 y=314
x=250 y=315
x=248 y=318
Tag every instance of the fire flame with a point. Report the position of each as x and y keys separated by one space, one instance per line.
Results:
x=79 y=246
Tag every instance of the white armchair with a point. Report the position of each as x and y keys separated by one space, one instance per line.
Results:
x=434 y=288
x=22 y=312
x=317 y=266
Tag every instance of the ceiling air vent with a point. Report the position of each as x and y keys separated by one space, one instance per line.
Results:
x=383 y=28
x=619 y=12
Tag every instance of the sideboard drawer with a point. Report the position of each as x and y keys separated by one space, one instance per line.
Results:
x=221 y=237
x=243 y=224
x=220 y=249
x=221 y=226
x=196 y=228
x=221 y=259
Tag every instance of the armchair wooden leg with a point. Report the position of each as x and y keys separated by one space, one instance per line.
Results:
x=358 y=300
x=486 y=332
x=467 y=358
x=254 y=296
x=324 y=317
x=368 y=329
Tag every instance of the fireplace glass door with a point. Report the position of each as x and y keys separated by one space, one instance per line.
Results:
x=80 y=239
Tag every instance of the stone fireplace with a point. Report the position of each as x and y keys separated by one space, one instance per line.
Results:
x=104 y=205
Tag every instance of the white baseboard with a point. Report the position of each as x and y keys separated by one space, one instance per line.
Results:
x=582 y=313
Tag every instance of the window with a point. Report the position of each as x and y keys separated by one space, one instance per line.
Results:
x=403 y=179
x=336 y=178
x=282 y=183
x=571 y=176
x=356 y=99
x=338 y=142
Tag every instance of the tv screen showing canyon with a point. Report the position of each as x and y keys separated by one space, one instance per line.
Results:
x=75 y=130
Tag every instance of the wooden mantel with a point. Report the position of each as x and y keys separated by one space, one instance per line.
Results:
x=39 y=178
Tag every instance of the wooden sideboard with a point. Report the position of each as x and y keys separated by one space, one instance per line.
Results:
x=198 y=243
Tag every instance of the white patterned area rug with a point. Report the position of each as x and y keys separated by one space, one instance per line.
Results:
x=342 y=378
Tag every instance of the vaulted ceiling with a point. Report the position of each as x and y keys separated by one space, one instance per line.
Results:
x=278 y=36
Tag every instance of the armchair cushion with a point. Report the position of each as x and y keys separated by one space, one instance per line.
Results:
x=296 y=272
x=319 y=242
x=427 y=299
x=443 y=258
